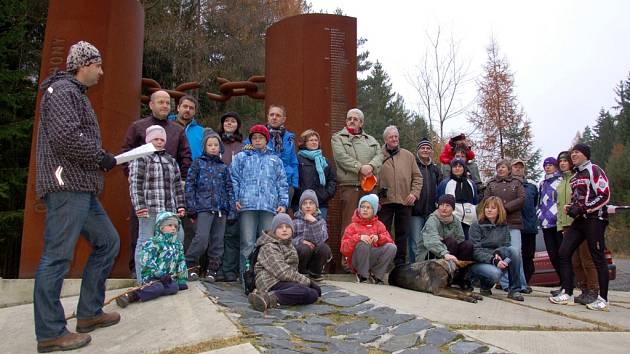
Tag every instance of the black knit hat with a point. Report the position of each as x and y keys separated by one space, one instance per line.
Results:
x=233 y=115
x=447 y=199
x=424 y=142
x=583 y=148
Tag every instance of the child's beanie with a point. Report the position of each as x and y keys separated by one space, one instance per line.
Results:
x=209 y=133
x=279 y=219
x=370 y=198
x=260 y=129
x=310 y=195
x=155 y=131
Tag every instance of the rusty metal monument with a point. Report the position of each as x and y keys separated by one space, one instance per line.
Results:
x=310 y=69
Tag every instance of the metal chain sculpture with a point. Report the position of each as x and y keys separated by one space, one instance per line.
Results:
x=227 y=89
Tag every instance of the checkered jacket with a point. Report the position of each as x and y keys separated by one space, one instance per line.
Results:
x=156 y=183
x=68 y=139
x=277 y=261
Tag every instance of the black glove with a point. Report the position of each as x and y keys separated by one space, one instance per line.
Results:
x=314 y=285
x=575 y=210
x=183 y=286
x=166 y=279
x=107 y=162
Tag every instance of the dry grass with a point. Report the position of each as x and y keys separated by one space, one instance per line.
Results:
x=208 y=345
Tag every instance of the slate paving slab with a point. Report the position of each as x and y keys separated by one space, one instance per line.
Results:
x=396 y=343
x=413 y=326
x=271 y=331
x=317 y=309
x=346 y=301
x=348 y=347
x=298 y=328
x=468 y=347
x=395 y=319
x=425 y=349
x=331 y=294
x=356 y=309
x=352 y=327
x=318 y=320
x=439 y=336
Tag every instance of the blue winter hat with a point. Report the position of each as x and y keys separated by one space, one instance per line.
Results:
x=458 y=161
x=550 y=161
x=370 y=198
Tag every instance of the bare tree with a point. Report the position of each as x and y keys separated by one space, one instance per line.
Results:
x=440 y=79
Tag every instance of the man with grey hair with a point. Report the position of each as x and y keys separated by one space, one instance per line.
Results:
x=70 y=166
x=399 y=183
x=357 y=155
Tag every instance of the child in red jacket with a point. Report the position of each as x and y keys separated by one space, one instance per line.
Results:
x=366 y=244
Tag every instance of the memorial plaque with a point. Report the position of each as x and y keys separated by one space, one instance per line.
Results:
x=311 y=69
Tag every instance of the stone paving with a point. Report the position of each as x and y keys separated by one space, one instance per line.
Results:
x=339 y=322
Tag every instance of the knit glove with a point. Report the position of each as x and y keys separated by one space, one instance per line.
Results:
x=107 y=162
x=575 y=210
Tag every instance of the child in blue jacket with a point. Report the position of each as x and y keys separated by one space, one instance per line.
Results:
x=208 y=200
x=260 y=189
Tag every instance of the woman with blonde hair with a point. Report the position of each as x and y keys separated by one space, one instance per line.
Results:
x=492 y=250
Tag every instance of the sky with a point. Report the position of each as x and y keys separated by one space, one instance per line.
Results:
x=567 y=57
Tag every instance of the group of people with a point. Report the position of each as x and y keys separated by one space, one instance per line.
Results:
x=205 y=200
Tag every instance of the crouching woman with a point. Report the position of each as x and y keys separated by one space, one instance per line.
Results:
x=278 y=281
x=492 y=250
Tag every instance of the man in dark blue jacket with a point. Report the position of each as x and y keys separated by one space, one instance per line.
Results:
x=530 y=221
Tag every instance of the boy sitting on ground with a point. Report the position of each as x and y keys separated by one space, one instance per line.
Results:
x=278 y=281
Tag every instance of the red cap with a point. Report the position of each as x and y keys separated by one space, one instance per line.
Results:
x=260 y=129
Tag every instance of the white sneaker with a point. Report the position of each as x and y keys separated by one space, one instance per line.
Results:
x=562 y=299
x=598 y=305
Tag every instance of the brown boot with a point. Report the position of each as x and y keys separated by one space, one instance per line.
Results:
x=102 y=320
x=261 y=301
x=69 y=341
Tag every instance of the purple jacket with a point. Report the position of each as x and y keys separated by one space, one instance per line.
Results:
x=548 y=200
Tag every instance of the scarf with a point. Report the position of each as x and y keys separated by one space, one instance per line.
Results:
x=276 y=138
x=393 y=151
x=463 y=191
x=354 y=131
x=230 y=138
x=320 y=162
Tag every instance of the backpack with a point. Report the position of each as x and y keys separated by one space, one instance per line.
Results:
x=249 y=276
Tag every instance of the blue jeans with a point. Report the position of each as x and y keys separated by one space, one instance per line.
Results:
x=323 y=212
x=252 y=223
x=488 y=274
x=515 y=237
x=416 y=223
x=68 y=215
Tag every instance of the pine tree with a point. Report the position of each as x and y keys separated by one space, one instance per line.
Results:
x=604 y=136
x=504 y=130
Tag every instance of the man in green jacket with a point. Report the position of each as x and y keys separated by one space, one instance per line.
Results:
x=356 y=154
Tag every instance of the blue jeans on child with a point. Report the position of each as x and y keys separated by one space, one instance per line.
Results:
x=515 y=236
x=489 y=274
x=68 y=215
x=252 y=223
x=146 y=230
x=416 y=223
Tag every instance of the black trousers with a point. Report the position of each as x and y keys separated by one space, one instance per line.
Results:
x=553 y=240
x=528 y=249
x=399 y=215
x=591 y=230
x=312 y=261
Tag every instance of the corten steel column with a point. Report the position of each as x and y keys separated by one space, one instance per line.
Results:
x=311 y=69
x=116 y=28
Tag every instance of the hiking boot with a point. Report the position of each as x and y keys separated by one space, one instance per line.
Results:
x=68 y=341
x=555 y=292
x=123 y=300
x=581 y=299
x=515 y=295
x=598 y=305
x=102 y=320
x=210 y=277
x=193 y=273
x=361 y=279
x=526 y=290
x=485 y=292
x=563 y=299
x=261 y=301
